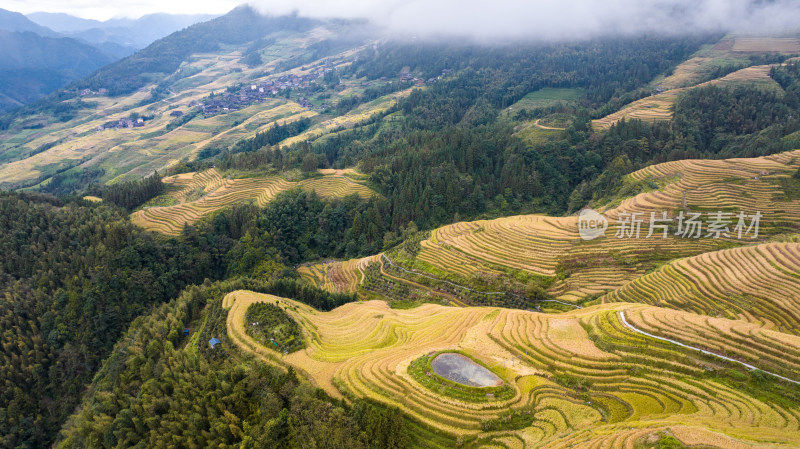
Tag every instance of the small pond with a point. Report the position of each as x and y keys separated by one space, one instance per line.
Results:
x=463 y=370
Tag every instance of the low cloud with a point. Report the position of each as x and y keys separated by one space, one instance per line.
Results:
x=566 y=19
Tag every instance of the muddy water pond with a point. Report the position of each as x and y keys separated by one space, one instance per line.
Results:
x=463 y=370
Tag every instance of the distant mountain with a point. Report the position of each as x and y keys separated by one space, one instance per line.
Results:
x=45 y=51
x=32 y=66
x=63 y=23
x=124 y=32
x=14 y=21
x=242 y=24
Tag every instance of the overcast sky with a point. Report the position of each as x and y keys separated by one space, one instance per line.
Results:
x=481 y=18
x=106 y=9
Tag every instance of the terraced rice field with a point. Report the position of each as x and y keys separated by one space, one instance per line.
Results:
x=338 y=276
x=548 y=246
x=349 y=119
x=686 y=73
x=626 y=387
x=660 y=107
x=767 y=44
x=649 y=109
x=335 y=187
x=749 y=185
x=200 y=194
x=757 y=284
x=551 y=246
x=180 y=187
x=527 y=242
x=740 y=340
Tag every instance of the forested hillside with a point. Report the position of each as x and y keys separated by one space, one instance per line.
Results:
x=72 y=278
x=231 y=400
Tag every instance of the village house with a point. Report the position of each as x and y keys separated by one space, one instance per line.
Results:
x=254 y=93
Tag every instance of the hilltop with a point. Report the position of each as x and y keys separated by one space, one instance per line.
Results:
x=40 y=56
x=121 y=34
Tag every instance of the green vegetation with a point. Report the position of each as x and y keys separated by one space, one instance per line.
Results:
x=131 y=194
x=272 y=326
x=73 y=278
x=664 y=441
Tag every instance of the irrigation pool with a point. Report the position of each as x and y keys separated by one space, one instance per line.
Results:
x=463 y=370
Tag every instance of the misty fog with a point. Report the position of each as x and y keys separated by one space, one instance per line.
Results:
x=568 y=19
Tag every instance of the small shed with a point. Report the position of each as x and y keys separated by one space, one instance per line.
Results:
x=214 y=342
x=186 y=332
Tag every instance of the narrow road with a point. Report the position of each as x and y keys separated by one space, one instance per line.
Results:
x=746 y=365
x=536 y=123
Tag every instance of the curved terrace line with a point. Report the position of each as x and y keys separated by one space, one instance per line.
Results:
x=471 y=290
x=683 y=345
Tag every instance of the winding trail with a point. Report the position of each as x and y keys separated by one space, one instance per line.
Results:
x=683 y=345
x=536 y=123
x=452 y=298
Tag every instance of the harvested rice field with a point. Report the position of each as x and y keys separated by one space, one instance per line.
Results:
x=488 y=255
x=583 y=378
x=192 y=196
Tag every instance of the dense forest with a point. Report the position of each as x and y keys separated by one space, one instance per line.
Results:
x=72 y=278
x=131 y=194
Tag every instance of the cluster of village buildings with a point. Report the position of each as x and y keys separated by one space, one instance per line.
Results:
x=127 y=122
x=87 y=92
x=253 y=93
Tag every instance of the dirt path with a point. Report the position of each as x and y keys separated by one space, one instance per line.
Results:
x=452 y=298
x=536 y=124
x=683 y=345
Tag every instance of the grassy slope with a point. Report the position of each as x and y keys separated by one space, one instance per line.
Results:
x=136 y=152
